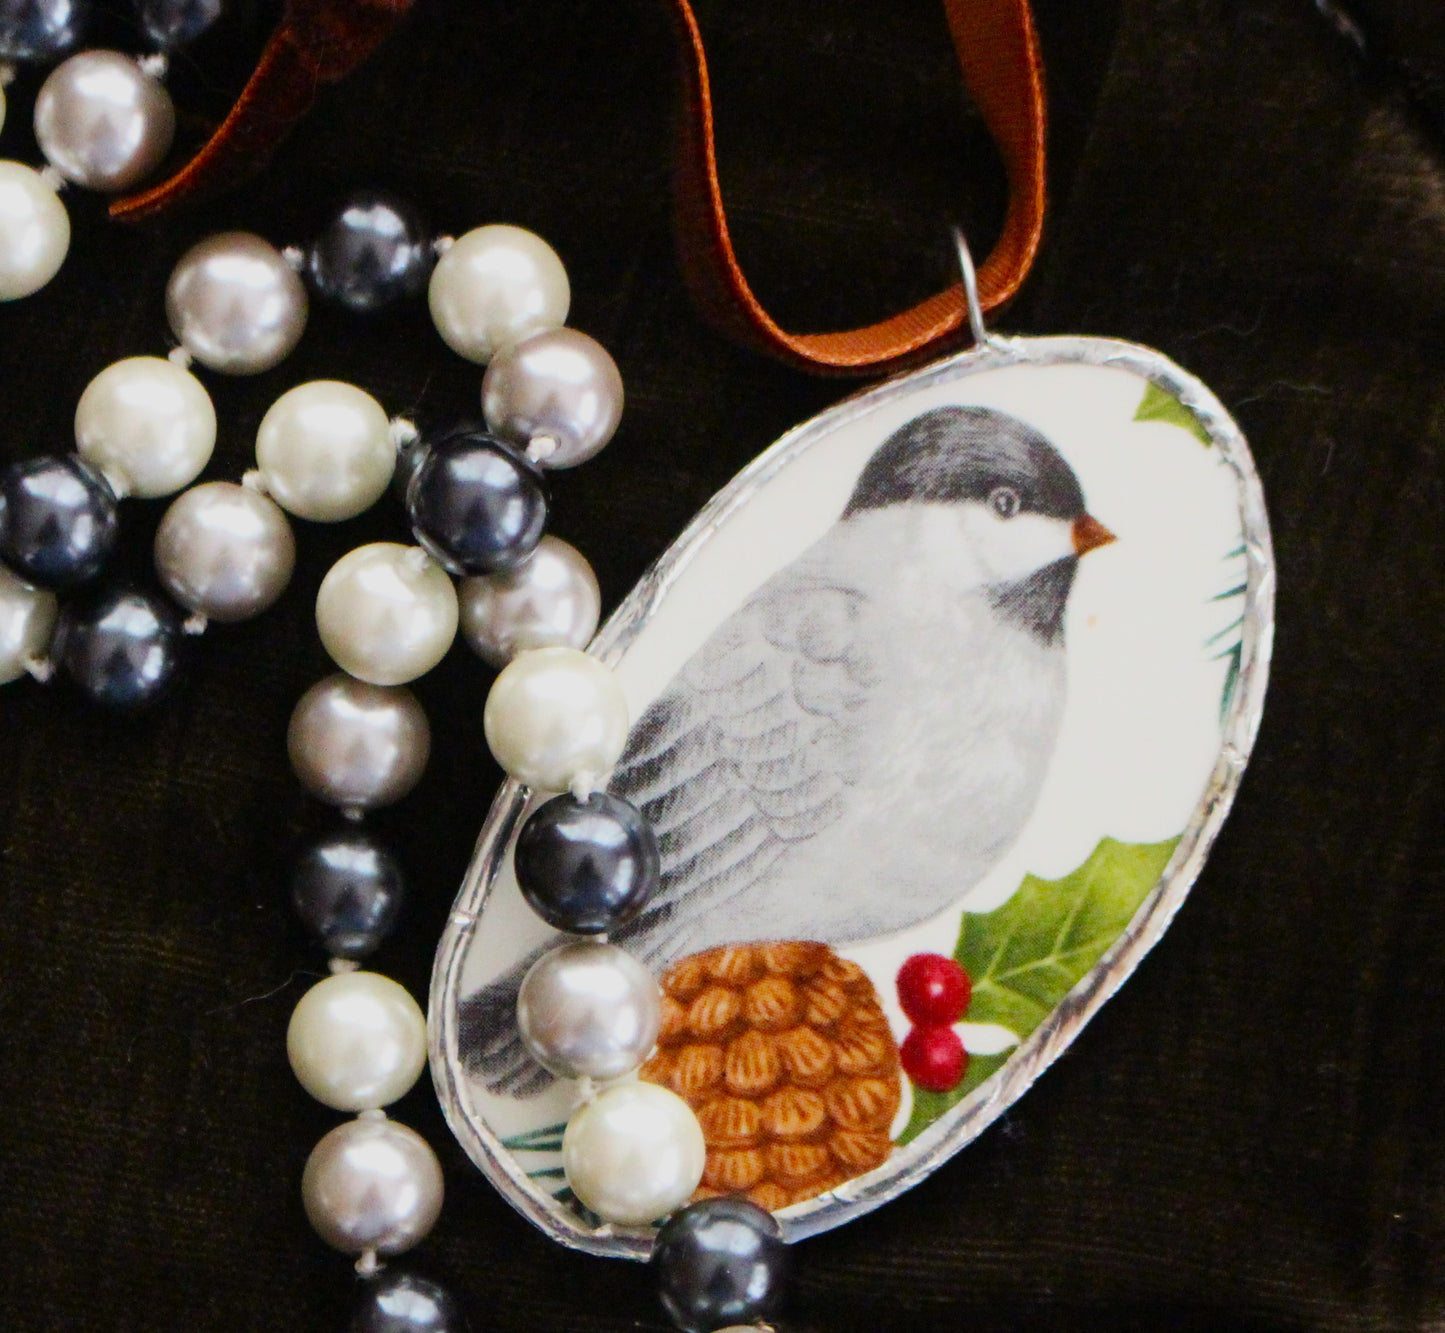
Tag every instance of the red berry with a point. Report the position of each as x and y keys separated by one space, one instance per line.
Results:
x=934 y=1058
x=933 y=990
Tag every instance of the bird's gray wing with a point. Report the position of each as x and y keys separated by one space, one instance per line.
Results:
x=748 y=752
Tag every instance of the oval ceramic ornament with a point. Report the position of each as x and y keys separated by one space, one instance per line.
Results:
x=967 y=667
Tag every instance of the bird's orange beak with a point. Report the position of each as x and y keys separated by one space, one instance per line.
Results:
x=1090 y=534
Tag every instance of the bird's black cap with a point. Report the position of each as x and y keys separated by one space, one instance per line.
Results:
x=965 y=453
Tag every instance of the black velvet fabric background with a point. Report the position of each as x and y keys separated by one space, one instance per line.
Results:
x=1251 y=1136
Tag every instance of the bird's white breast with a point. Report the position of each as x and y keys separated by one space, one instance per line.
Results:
x=949 y=745
x=960 y=726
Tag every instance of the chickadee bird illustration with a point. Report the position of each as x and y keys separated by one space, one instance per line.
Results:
x=857 y=745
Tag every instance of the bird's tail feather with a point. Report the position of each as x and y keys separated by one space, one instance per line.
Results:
x=491 y=1046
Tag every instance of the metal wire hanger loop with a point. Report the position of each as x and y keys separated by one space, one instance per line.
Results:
x=981 y=336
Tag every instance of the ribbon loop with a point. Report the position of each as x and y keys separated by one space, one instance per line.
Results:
x=998 y=50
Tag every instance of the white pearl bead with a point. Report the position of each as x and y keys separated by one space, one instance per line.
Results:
x=495 y=286
x=27 y=623
x=634 y=1153
x=555 y=716
x=325 y=451
x=34 y=232
x=387 y=613
x=357 y=1041
x=148 y=425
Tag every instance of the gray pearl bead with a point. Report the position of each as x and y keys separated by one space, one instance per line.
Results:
x=372 y=1184
x=225 y=551
x=235 y=304
x=551 y=600
x=589 y=1010
x=355 y=745
x=103 y=122
x=560 y=384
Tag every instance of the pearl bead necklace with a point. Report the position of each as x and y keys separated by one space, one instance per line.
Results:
x=556 y=720
x=555 y=717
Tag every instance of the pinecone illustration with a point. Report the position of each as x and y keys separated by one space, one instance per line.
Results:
x=785 y=1055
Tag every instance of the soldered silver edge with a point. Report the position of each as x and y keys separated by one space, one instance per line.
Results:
x=962 y=1124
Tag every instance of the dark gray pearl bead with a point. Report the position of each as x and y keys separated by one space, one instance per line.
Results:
x=587 y=866
x=396 y=1302
x=720 y=1262
x=122 y=648
x=175 y=23
x=347 y=888
x=57 y=520
x=475 y=503
x=41 y=29
x=375 y=251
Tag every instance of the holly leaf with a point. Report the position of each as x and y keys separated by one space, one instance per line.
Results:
x=1160 y=405
x=1026 y=955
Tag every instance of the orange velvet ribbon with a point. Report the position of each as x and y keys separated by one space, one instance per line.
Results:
x=317 y=41
x=320 y=41
x=999 y=52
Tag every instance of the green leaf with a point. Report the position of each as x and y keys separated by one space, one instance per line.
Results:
x=1160 y=405
x=1235 y=652
x=1026 y=955
x=546 y=1139
x=1231 y=680
x=1220 y=633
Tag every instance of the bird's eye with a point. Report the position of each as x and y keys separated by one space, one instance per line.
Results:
x=1004 y=501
